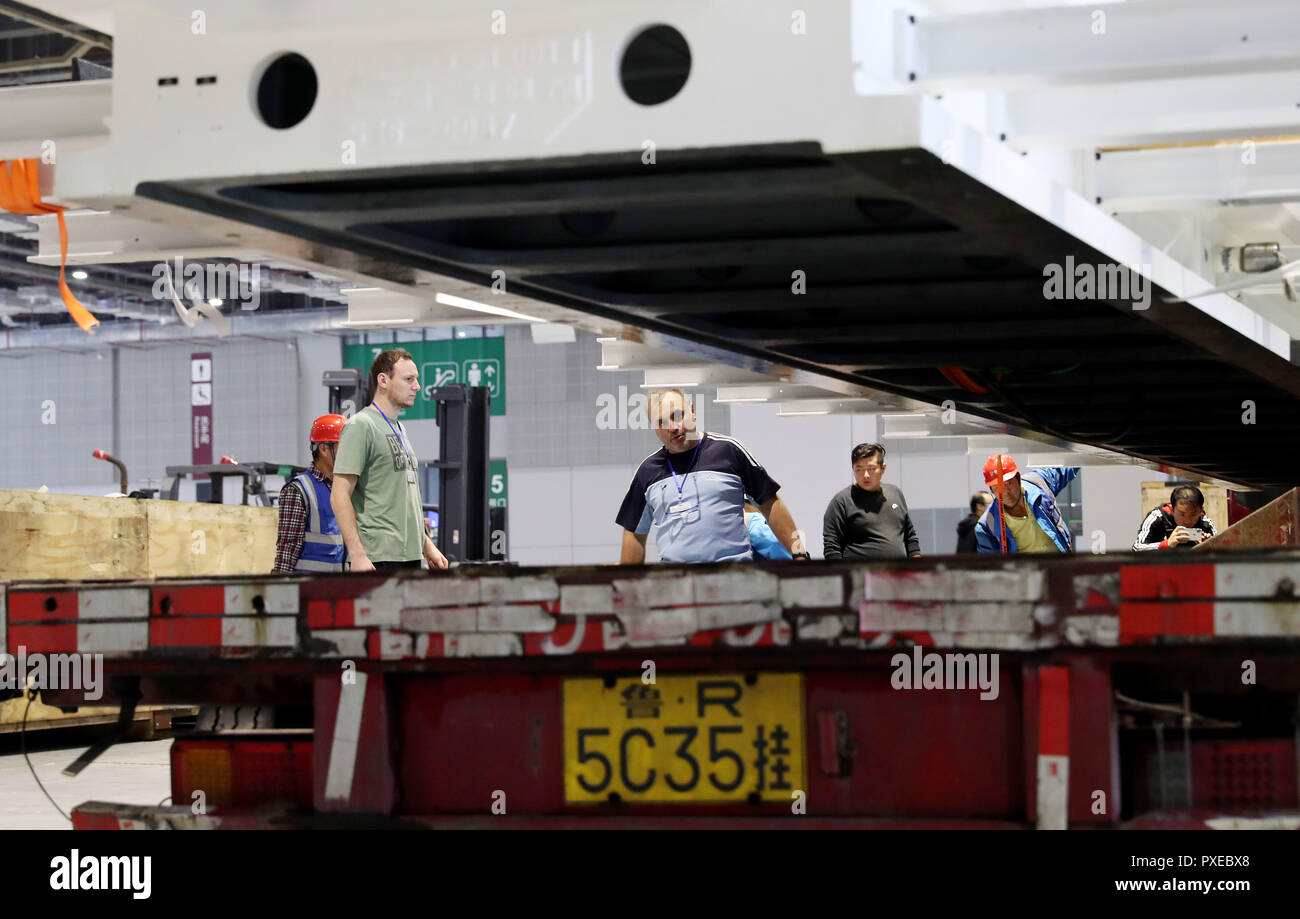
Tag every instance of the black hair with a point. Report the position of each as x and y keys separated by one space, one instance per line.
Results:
x=865 y=451
x=977 y=499
x=1189 y=493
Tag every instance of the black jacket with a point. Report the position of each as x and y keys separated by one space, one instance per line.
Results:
x=1157 y=526
x=966 y=533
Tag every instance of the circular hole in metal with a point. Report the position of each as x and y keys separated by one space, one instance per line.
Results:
x=587 y=223
x=259 y=605
x=655 y=65
x=165 y=606
x=51 y=604
x=286 y=91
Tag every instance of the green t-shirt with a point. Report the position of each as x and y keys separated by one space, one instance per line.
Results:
x=390 y=512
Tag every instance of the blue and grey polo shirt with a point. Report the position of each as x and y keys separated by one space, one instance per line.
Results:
x=700 y=516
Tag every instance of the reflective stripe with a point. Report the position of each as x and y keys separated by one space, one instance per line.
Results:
x=322 y=544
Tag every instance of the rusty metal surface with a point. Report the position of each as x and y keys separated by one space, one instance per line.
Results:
x=1275 y=524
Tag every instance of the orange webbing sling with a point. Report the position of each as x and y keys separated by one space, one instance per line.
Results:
x=20 y=193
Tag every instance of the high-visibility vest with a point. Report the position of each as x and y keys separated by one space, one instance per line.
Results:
x=322 y=543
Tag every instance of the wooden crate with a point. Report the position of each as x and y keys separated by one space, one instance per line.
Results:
x=73 y=537
x=207 y=539
x=147 y=720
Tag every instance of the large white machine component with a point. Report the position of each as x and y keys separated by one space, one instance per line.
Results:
x=1147 y=131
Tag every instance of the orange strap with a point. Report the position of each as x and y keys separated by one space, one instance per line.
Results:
x=20 y=193
x=1002 y=509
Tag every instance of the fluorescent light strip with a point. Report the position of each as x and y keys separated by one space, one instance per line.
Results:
x=462 y=303
x=792 y=414
x=607 y=367
x=671 y=385
x=372 y=323
x=747 y=399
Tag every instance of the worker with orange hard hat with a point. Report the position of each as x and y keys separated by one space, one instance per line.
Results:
x=308 y=537
x=1023 y=516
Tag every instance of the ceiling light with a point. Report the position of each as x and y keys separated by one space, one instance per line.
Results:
x=462 y=303
x=80 y=275
x=214 y=301
x=792 y=414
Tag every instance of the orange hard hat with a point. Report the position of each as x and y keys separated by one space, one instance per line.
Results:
x=326 y=429
x=1000 y=467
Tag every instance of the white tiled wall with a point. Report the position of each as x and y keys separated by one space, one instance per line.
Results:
x=76 y=390
x=257 y=411
x=1112 y=505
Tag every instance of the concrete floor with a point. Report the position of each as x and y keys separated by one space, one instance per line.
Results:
x=128 y=773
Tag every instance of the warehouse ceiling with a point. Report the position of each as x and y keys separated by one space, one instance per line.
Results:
x=36 y=47
x=908 y=266
x=39 y=47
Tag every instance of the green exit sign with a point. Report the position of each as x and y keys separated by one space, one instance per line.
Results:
x=472 y=361
x=497 y=483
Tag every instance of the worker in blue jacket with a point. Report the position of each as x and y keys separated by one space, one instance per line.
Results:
x=1023 y=516
x=763 y=540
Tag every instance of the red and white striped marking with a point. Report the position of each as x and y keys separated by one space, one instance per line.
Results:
x=1228 y=600
x=1053 y=748
x=346 y=739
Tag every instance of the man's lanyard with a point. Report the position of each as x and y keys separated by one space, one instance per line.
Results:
x=396 y=432
x=694 y=456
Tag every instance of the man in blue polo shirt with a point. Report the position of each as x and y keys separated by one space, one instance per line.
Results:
x=693 y=490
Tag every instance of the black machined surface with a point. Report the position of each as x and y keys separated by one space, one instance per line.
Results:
x=909 y=264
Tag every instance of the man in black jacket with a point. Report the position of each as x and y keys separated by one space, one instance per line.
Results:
x=979 y=503
x=1180 y=524
x=868 y=519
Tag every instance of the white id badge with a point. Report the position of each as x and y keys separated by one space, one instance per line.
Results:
x=680 y=510
x=410 y=476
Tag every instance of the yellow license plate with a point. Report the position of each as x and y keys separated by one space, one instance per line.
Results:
x=684 y=738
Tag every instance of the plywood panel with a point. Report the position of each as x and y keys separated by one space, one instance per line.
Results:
x=1155 y=494
x=71 y=536
x=209 y=539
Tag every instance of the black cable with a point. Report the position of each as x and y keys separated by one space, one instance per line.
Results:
x=22 y=742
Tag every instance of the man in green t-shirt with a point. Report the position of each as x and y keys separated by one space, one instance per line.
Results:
x=376 y=495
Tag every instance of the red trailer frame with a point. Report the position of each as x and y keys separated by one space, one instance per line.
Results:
x=441 y=699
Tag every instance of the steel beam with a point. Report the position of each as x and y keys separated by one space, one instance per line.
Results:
x=1061 y=45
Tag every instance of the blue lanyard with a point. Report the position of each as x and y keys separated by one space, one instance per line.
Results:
x=694 y=455
x=396 y=432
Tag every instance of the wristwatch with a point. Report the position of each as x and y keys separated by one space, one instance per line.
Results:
x=803 y=555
